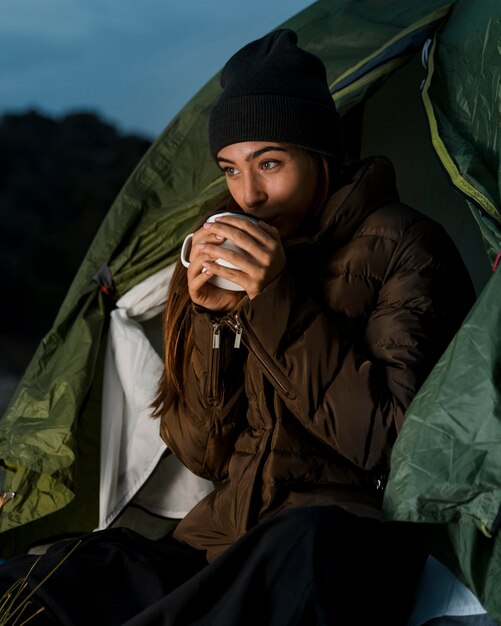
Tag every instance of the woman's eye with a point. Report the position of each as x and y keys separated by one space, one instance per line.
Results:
x=269 y=165
x=230 y=171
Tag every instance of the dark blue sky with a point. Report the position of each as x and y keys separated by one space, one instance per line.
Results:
x=136 y=62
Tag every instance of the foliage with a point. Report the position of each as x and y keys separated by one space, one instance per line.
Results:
x=58 y=178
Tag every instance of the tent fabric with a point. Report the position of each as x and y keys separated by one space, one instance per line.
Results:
x=131 y=449
x=50 y=435
x=358 y=82
x=463 y=103
x=446 y=464
x=140 y=235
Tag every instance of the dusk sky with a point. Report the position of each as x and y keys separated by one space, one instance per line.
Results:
x=135 y=62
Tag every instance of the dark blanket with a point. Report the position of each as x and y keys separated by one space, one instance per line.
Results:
x=307 y=566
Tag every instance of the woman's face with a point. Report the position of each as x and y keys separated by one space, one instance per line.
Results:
x=275 y=182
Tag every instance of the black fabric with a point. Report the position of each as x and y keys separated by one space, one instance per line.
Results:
x=305 y=566
x=275 y=91
x=480 y=619
x=110 y=576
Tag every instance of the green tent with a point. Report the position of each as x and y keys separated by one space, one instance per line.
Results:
x=422 y=81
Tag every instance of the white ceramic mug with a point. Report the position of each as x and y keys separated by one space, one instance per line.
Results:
x=218 y=281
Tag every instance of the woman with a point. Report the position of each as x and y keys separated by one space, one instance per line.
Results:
x=291 y=392
x=348 y=299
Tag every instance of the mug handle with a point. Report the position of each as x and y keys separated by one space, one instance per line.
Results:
x=185 y=261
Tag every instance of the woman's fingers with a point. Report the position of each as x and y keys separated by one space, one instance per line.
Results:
x=203 y=293
x=202 y=236
x=254 y=250
x=249 y=237
x=259 y=256
x=247 y=259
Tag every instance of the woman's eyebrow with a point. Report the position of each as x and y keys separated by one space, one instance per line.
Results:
x=258 y=153
x=224 y=160
x=252 y=155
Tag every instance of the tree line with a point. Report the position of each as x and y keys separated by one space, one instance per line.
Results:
x=58 y=178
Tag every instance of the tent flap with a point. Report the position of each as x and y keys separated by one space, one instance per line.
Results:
x=462 y=98
x=446 y=465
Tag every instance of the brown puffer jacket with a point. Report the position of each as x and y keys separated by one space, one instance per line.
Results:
x=307 y=409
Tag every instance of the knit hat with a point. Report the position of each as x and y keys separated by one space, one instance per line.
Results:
x=275 y=91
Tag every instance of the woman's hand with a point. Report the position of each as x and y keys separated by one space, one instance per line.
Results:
x=260 y=262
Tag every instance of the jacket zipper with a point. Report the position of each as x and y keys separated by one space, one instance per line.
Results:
x=252 y=343
x=238 y=335
x=215 y=363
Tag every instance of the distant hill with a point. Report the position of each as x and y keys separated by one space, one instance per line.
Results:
x=58 y=178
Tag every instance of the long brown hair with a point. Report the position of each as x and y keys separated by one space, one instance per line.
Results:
x=177 y=328
x=177 y=325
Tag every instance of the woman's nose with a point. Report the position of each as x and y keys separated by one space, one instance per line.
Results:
x=254 y=194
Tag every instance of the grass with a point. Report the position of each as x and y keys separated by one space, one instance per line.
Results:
x=15 y=605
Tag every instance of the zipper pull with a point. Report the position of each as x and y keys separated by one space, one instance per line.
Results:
x=216 y=335
x=238 y=336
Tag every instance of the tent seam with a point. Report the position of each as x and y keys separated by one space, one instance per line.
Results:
x=443 y=154
x=422 y=22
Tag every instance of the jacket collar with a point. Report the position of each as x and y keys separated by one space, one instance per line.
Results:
x=369 y=184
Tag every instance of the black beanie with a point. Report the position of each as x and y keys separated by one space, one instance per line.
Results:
x=275 y=91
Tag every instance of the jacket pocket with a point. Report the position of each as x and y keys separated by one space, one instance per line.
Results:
x=245 y=335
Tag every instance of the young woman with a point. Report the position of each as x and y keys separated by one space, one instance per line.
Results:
x=290 y=392
x=348 y=298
